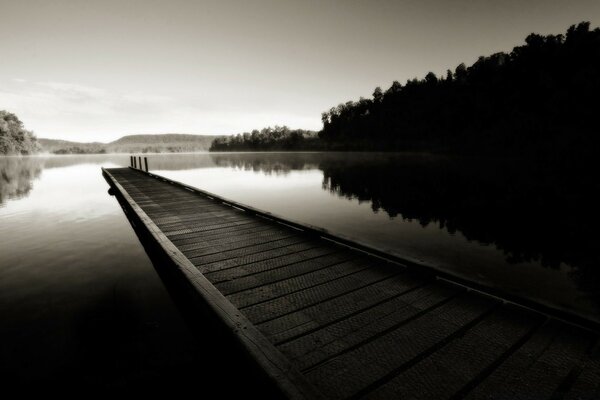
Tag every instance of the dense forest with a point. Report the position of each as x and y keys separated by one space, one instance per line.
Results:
x=276 y=138
x=67 y=147
x=161 y=143
x=540 y=98
x=14 y=138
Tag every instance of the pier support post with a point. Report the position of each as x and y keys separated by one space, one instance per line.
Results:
x=146 y=162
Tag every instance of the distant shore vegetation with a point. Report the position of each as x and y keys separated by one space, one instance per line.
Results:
x=14 y=138
x=269 y=139
x=541 y=99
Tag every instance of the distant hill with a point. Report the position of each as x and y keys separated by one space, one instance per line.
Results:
x=173 y=142
x=65 y=146
x=160 y=143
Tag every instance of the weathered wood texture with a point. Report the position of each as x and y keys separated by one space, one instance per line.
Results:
x=346 y=324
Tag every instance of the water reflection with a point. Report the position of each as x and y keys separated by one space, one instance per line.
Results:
x=16 y=176
x=541 y=212
x=532 y=212
x=529 y=228
x=18 y=173
x=270 y=163
x=80 y=303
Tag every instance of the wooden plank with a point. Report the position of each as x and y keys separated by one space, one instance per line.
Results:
x=178 y=206
x=207 y=221
x=255 y=226
x=587 y=383
x=254 y=258
x=463 y=360
x=178 y=202
x=154 y=212
x=344 y=314
x=281 y=261
x=180 y=209
x=168 y=202
x=350 y=372
x=341 y=335
x=198 y=220
x=271 y=276
x=198 y=214
x=203 y=228
x=166 y=192
x=539 y=367
x=217 y=254
x=295 y=284
x=254 y=236
x=272 y=309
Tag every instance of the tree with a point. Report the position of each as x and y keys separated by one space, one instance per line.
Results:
x=14 y=138
x=431 y=79
x=460 y=73
x=378 y=95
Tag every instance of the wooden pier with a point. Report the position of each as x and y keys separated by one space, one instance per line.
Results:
x=327 y=318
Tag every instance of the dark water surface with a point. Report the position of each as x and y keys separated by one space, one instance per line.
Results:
x=78 y=293
x=82 y=310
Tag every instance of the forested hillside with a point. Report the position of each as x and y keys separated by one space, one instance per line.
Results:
x=539 y=99
x=276 y=138
x=173 y=142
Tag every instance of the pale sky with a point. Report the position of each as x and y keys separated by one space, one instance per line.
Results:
x=98 y=70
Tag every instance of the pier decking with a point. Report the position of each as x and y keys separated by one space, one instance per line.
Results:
x=326 y=320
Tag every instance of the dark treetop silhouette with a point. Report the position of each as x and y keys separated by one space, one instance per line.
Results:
x=276 y=138
x=538 y=100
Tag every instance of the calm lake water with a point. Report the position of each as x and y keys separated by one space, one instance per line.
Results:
x=73 y=273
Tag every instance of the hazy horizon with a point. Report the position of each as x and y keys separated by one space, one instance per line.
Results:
x=128 y=135
x=96 y=71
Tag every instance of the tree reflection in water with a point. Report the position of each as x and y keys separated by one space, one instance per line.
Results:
x=533 y=211
x=17 y=175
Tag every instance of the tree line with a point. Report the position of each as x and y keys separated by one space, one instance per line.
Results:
x=542 y=97
x=268 y=139
x=14 y=138
x=538 y=100
x=79 y=150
